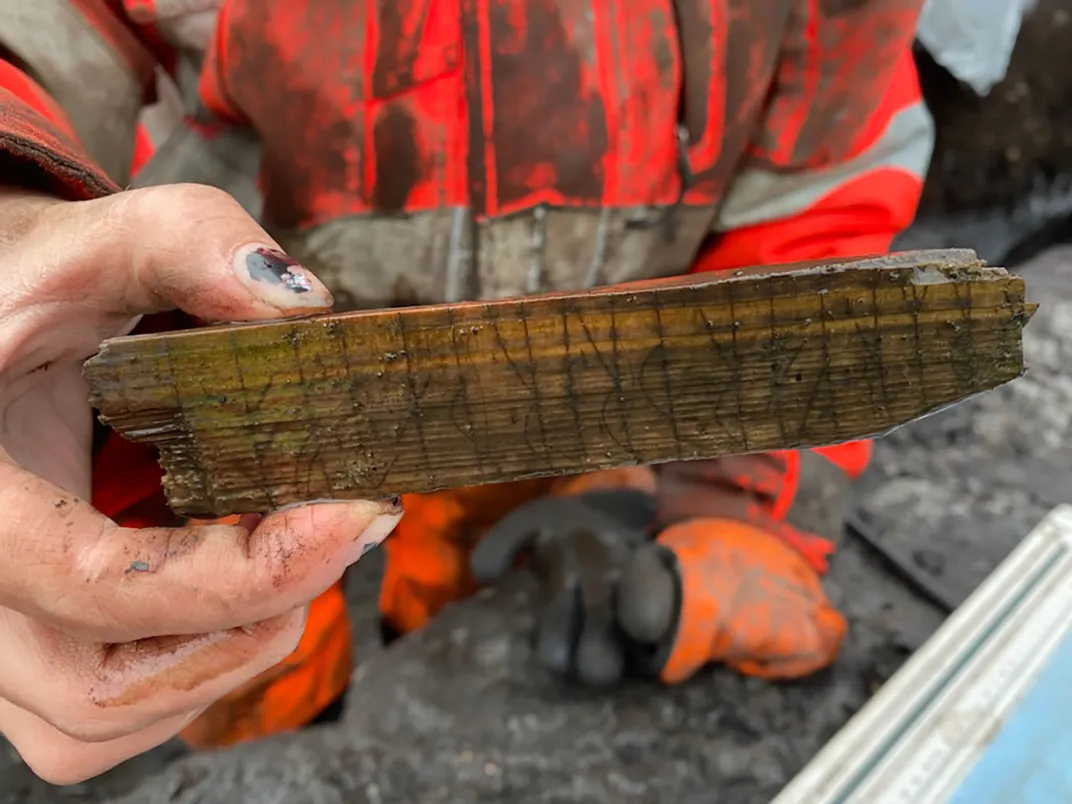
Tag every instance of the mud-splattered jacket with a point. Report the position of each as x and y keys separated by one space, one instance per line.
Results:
x=418 y=151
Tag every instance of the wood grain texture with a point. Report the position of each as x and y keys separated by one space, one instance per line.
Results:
x=361 y=405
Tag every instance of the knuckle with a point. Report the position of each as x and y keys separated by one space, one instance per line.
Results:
x=204 y=201
x=180 y=214
x=185 y=205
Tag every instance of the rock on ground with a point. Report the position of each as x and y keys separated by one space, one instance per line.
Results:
x=458 y=713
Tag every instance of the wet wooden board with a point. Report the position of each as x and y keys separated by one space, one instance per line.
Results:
x=362 y=405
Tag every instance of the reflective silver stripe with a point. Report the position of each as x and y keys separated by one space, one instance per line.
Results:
x=443 y=255
x=599 y=257
x=761 y=195
x=459 y=258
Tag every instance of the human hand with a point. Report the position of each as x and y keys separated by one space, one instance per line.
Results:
x=114 y=639
x=700 y=568
x=603 y=594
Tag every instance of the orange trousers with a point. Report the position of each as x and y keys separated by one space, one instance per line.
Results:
x=293 y=692
x=427 y=568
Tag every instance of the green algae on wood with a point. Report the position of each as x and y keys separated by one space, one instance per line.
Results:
x=249 y=417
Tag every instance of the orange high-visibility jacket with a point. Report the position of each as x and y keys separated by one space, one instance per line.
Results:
x=505 y=146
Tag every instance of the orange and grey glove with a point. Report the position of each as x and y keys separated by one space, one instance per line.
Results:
x=732 y=576
x=578 y=547
x=747 y=539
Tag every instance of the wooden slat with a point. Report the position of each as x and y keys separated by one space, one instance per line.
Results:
x=250 y=417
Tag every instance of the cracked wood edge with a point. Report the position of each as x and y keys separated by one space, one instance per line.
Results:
x=249 y=417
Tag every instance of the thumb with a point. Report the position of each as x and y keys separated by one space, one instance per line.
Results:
x=189 y=247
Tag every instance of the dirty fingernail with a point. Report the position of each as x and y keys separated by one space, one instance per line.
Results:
x=279 y=280
x=378 y=530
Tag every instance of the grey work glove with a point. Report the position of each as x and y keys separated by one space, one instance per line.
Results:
x=606 y=595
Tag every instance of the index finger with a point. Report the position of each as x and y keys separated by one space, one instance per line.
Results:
x=68 y=565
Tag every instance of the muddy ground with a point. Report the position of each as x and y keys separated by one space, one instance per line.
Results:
x=460 y=714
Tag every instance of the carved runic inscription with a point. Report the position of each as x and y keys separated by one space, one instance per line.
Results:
x=250 y=417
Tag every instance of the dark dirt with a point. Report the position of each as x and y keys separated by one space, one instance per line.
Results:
x=1016 y=141
x=1000 y=180
x=459 y=713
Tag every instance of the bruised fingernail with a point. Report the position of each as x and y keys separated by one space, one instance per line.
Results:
x=279 y=280
x=378 y=530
